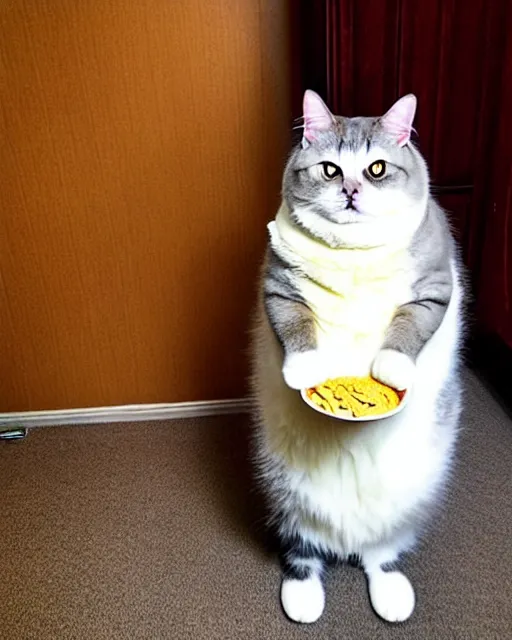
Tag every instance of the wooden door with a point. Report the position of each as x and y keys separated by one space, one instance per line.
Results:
x=141 y=153
x=494 y=303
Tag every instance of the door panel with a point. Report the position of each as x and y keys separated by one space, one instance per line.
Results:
x=142 y=149
x=458 y=208
x=494 y=302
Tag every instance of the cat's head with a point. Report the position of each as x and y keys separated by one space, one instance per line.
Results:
x=356 y=182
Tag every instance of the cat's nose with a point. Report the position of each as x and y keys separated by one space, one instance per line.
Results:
x=351 y=186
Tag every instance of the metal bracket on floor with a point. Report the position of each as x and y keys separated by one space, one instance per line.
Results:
x=13 y=434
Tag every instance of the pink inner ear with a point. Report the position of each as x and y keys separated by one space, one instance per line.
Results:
x=317 y=116
x=398 y=120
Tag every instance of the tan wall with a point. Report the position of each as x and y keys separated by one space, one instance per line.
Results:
x=140 y=157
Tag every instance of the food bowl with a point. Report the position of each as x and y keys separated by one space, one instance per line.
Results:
x=347 y=414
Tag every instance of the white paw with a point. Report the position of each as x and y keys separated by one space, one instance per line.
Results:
x=391 y=595
x=304 y=370
x=394 y=369
x=303 y=600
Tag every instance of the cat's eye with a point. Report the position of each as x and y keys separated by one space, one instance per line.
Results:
x=377 y=169
x=330 y=170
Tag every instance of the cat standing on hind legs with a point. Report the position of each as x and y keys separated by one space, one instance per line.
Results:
x=361 y=276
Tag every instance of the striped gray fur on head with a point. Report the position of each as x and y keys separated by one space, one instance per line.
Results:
x=355 y=208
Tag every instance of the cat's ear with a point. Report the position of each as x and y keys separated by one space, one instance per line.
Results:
x=398 y=120
x=317 y=116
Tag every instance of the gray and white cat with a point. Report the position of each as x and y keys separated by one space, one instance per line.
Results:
x=361 y=277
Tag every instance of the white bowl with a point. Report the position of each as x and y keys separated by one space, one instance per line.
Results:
x=350 y=418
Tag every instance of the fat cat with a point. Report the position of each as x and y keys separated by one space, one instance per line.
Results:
x=361 y=276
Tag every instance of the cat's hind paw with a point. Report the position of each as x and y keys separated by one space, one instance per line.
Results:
x=391 y=595
x=303 y=600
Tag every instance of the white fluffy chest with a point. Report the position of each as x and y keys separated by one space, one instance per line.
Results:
x=352 y=292
x=352 y=319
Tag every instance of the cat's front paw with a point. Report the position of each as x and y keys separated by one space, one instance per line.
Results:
x=394 y=369
x=305 y=369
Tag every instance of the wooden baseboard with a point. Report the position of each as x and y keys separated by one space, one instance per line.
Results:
x=126 y=413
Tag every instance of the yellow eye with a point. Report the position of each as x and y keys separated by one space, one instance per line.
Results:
x=377 y=169
x=330 y=170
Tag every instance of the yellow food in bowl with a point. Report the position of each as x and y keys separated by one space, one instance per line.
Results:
x=355 y=397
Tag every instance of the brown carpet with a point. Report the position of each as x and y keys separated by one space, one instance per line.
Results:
x=143 y=531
